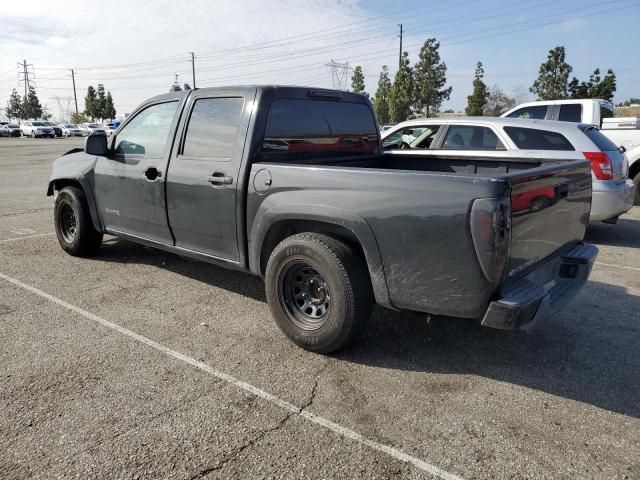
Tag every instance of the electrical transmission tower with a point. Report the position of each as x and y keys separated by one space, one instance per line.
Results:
x=64 y=104
x=339 y=74
x=23 y=76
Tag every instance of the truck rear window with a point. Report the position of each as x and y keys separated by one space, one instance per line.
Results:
x=534 y=139
x=312 y=129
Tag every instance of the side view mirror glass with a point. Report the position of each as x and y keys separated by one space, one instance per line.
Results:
x=96 y=145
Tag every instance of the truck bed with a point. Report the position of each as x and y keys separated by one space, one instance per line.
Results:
x=419 y=210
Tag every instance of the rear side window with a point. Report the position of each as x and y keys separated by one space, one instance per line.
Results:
x=212 y=128
x=534 y=139
x=571 y=112
x=535 y=112
x=465 y=137
x=311 y=129
x=602 y=142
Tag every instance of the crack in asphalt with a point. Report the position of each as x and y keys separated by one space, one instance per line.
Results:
x=230 y=458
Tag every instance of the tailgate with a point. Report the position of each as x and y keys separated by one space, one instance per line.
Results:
x=550 y=208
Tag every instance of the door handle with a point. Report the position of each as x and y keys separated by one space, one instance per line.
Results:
x=220 y=178
x=152 y=174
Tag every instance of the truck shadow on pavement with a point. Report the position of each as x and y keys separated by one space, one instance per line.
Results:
x=622 y=234
x=587 y=352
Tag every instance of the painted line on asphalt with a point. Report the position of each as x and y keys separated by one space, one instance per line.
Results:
x=26 y=237
x=317 y=419
x=618 y=266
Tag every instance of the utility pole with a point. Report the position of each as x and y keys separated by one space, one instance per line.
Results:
x=193 y=69
x=400 y=57
x=75 y=97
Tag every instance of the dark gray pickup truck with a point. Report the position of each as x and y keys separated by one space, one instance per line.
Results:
x=292 y=184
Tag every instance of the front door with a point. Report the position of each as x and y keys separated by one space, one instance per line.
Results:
x=202 y=182
x=129 y=182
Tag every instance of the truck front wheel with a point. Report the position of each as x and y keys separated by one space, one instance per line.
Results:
x=72 y=222
x=319 y=292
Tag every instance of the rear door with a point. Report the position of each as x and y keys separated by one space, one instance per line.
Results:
x=202 y=182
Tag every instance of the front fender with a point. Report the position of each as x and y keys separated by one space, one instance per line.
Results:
x=76 y=169
x=269 y=214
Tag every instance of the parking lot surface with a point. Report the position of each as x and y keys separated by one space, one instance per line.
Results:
x=140 y=364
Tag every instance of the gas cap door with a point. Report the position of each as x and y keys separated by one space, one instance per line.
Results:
x=262 y=181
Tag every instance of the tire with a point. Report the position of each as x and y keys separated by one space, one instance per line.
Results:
x=636 y=182
x=72 y=221
x=539 y=203
x=33 y=134
x=319 y=291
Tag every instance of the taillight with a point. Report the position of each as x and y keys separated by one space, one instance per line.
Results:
x=600 y=165
x=491 y=233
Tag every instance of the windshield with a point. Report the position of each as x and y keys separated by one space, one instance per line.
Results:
x=70 y=125
x=13 y=125
x=38 y=124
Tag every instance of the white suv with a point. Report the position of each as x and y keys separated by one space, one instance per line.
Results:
x=36 y=129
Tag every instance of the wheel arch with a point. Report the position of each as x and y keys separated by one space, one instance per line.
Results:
x=55 y=185
x=353 y=230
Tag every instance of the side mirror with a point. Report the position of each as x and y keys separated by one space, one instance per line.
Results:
x=96 y=145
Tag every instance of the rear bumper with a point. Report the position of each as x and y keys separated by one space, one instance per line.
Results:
x=610 y=200
x=543 y=291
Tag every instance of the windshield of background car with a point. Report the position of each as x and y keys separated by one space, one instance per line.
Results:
x=38 y=124
x=12 y=125
x=311 y=129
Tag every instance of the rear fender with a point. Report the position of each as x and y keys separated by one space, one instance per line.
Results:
x=269 y=214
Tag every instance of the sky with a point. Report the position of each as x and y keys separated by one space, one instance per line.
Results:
x=137 y=47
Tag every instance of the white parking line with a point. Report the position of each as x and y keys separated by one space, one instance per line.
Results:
x=25 y=237
x=618 y=266
x=318 y=420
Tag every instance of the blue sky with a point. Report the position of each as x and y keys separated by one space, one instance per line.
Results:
x=137 y=47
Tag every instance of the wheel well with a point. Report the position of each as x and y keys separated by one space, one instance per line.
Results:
x=634 y=169
x=283 y=229
x=60 y=184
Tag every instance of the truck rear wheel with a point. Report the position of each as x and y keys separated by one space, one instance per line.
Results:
x=319 y=292
x=72 y=221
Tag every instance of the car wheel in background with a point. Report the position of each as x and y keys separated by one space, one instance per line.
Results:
x=636 y=182
x=319 y=291
x=72 y=222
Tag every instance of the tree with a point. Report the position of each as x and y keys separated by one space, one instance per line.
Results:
x=521 y=94
x=175 y=87
x=595 y=87
x=497 y=102
x=109 y=109
x=381 y=100
x=14 y=106
x=401 y=95
x=46 y=116
x=77 y=117
x=477 y=100
x=101 y=102
x=553 y=77
x=430 y=75
x=90 y=103
x=357 y=81
x=186 y=86
x=31 y=107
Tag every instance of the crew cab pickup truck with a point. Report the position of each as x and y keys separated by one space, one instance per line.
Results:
x=623 y=132
x=291 y=184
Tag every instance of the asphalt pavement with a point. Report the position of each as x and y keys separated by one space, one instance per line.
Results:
x=141 y=364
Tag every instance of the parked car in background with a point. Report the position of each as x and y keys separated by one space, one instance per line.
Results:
x=36 y=129
x=502 y=138
x=110 y=128
x=56 y=129
x=71 y=130
x=623 y=132
x=90 y=128
x=10 y=130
